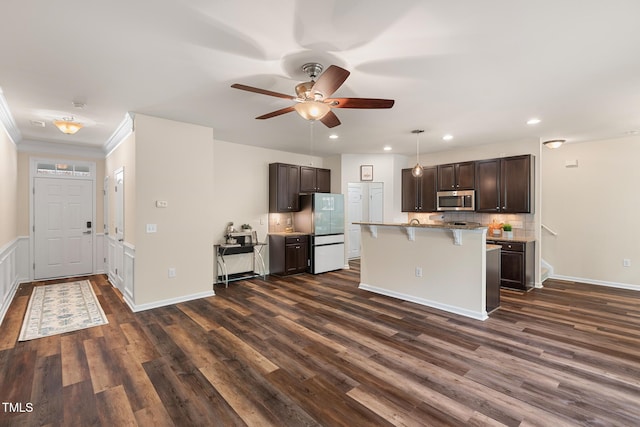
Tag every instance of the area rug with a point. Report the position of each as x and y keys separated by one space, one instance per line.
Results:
x=63 y=307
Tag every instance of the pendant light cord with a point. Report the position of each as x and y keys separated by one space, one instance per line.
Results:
x=311 y=143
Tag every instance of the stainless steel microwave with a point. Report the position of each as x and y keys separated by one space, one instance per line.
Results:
x=463 y=200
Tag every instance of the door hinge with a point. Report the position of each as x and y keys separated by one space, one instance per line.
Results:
x=104 y=260
x=33 y=190
x=34 y=265
x=34 y=228
x=116 y=188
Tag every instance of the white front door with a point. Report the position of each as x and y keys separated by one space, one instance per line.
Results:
x=63 y=232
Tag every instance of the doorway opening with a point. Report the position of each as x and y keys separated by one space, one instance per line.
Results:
x=365 y=202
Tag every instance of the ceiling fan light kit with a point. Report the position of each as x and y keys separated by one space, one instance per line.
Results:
x=312 y=110
x=68 y=125
x=312 y=97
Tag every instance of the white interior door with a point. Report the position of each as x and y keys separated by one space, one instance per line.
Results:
x=376 y=206
x=118 y=260
x=355 y=215
x=63 y=233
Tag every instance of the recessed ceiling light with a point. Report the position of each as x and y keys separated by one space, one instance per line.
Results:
x=333 y=136
x=38 y=123
x=533 y=121
x=387 y=148
x=447 y=137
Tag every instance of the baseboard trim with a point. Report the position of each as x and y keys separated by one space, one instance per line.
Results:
x=618 y=285
x=444 y=307
x=156 y=304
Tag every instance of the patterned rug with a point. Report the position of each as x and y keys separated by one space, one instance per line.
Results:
x=63 y=307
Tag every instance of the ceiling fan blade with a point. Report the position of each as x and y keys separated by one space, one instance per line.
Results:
x=359 y=102
x=276 y=113
x=330 y=80
x=330 y=120
x=261 y=91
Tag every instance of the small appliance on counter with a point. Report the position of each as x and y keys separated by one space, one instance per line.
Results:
x=322 y=216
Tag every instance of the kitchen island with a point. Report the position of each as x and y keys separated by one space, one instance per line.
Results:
x=441 y=266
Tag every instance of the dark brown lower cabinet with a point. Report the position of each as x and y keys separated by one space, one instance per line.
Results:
x=288 y=254
x=516 y=264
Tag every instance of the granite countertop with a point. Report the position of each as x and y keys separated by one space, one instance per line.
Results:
x=516 y=238
x=288 y=233
x=491 y=247
x=406 y=224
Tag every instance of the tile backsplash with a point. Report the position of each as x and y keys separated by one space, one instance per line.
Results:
x=522 y=223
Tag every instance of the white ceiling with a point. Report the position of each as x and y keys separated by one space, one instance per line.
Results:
x=475 y=69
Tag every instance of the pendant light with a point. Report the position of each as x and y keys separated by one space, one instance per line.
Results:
x=417 y=169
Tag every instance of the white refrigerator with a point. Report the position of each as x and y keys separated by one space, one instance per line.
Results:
x=322 y=217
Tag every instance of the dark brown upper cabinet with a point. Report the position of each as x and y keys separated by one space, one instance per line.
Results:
x=505 y=185
x=315 y=180
x=457 y=176
x=419 y=194
x=284 y=187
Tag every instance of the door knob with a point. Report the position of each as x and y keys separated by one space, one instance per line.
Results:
x=86 y=232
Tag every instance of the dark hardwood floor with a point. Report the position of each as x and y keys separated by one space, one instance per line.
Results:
x=316 y=350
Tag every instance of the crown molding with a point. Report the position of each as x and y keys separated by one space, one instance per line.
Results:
x=125 y=128
x=29 y=146
x=7 y=121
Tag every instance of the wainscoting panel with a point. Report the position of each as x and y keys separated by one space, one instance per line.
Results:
x=14 y=261
x=99 y=254
x=129 y=258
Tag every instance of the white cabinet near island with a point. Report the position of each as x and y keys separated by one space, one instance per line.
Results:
x=434 y=265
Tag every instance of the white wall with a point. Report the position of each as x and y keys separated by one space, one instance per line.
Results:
x=9 y=241
x=386 y=169
x=8 y=189
x=241 y=191
x=174 y=163
x=594 y=208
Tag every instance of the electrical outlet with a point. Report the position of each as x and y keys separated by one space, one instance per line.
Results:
x=152 y=228
x=171 y=273
x=626 y=262
x=418 y=271
x=162 y=204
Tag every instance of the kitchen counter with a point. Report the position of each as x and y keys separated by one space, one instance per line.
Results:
x=437 y=265
x=288 y=233
x=516 y=238
x=491 y=247
x=431 y=225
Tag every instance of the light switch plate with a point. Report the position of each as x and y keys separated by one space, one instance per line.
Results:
x=162 y=204
x=152 y=228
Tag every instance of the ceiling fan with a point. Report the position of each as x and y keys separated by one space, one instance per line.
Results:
x=312 y=98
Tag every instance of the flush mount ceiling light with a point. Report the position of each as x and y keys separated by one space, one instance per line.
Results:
x=533 y=121
x=554 y=143
x=447 y=137
x=417 y=169
x=68 y=125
